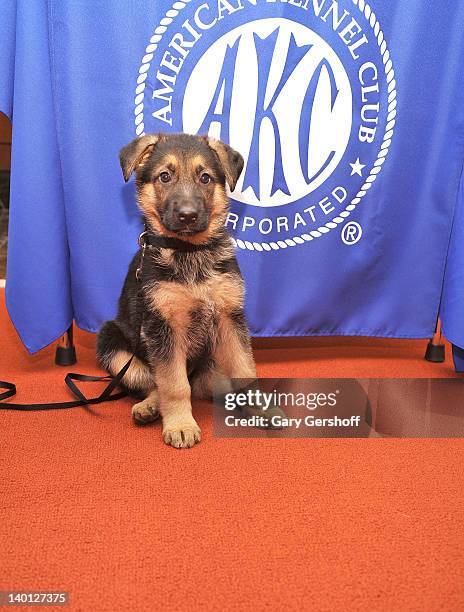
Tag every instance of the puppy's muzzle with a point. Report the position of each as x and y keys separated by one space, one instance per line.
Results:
x=185 y=215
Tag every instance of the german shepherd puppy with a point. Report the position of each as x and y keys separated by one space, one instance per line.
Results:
x=193 y=322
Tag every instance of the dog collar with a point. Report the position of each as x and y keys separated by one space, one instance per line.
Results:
x=165 y=242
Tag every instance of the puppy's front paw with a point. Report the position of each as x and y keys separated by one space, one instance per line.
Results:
x=145 y=411
x=182 y=434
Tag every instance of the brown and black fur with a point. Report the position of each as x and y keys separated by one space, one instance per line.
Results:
x=193 y=322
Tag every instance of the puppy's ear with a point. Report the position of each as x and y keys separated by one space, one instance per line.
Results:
x=136 y=152
x=231 y=161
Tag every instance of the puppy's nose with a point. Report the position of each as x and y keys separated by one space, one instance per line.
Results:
x=187 y=215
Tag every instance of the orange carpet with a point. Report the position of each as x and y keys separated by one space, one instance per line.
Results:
x=93 y=505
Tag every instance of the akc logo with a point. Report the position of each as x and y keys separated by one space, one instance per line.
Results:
x=304 y=89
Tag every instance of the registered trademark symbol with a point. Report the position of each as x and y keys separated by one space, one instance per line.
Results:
x=351 y=233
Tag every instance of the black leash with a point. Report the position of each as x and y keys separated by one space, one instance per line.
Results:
x=107 y=395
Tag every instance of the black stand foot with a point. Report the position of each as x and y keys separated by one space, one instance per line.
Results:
x=65 y=352
x=65 y=356
x=435 y=353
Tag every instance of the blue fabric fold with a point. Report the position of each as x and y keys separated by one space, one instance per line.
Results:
x=452 y=307
x=38 y=288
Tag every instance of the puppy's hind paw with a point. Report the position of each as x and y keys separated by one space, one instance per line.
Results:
x=145 y=411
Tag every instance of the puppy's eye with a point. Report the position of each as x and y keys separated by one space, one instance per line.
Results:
x=205 y=178
x=165 y=177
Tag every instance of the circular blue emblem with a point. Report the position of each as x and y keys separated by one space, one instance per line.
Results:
x=304 y=89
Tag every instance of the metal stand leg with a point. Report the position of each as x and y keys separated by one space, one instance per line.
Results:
x=436 y=349
x=65 y=351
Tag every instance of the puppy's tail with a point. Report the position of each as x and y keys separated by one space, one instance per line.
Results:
x=114 y=351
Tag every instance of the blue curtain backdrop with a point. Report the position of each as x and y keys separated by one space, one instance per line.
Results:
x=350 y=115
